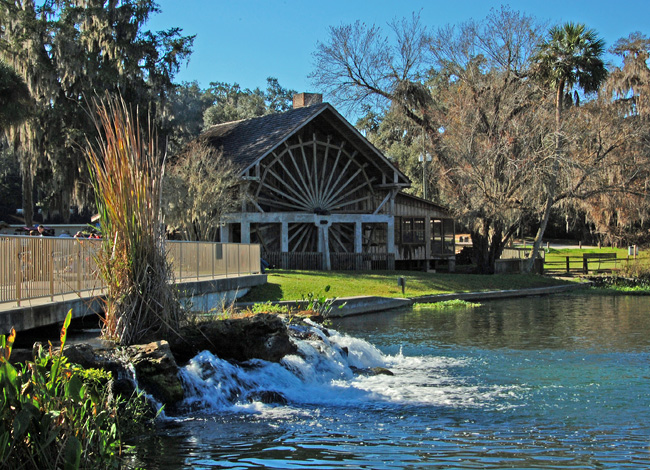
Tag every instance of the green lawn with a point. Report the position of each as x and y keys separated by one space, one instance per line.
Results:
x=293 y=285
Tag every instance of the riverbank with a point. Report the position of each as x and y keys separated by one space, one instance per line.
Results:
x=380 y=295
x=284 y=285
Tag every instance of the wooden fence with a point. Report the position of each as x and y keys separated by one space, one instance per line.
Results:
x=338 y=261
x=586 y=263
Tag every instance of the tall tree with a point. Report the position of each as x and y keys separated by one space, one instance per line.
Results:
x=629 y=85
x=200 y=187
x=15 y=101
x=232 y=103
x=570 y=57
x=66 y=51
x=622 y=216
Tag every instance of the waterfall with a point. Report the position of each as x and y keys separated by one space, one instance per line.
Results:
x=329 y=369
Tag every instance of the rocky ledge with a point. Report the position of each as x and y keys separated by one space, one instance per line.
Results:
x=156 y=364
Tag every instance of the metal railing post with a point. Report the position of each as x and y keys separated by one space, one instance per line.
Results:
x=78 y=265
x=18 y=270
x=224 y=249
x=50 y=253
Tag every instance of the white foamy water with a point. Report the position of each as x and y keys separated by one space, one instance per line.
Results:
x=336 y=370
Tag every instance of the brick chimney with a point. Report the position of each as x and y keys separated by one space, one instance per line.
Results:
x=302 y=100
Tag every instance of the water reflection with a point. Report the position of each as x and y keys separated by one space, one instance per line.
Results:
x=568 y=322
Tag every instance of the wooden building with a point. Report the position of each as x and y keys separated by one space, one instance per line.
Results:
x=316 y=194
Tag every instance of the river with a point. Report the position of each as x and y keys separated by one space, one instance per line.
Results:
x=557 y=382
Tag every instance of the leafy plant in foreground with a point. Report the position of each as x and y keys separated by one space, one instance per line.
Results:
x=51 y=416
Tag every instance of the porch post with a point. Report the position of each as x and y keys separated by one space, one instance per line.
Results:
x=358 y=238
x=284 y=237
x=225 y=233
x=427 y=241
x=390 y=236
x=245 y=232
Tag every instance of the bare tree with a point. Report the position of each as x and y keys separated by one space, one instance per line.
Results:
x=467 y=90
x=200 y=187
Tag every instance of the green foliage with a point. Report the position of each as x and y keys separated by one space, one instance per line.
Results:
x=66 y=52
x=268 y=307
x=51 y=417
x=15 y=101
x=319 y=303
x=231 y=102
x=446 y=304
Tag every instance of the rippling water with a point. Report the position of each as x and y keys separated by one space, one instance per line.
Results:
x=544 y=382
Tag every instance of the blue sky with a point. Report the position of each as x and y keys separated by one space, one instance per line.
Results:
x=246 y=41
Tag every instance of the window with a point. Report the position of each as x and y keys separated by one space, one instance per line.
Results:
x=412 y=231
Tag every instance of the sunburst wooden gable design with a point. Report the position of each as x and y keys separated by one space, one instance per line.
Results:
x=315 y=191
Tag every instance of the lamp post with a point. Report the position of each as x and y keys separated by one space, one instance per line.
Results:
x=424 y=158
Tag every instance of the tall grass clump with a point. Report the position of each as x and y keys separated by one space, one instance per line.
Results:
x=126 y=172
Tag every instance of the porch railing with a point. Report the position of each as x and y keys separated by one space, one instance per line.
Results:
x=36 y=267
x=313 y=261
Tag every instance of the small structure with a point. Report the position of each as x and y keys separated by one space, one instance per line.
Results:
x=317 y=195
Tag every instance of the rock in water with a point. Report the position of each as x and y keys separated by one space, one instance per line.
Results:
x=156 y=371
x=268 y=397
x=263 y=336
x=372 y=371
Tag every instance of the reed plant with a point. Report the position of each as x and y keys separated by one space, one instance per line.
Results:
x=127 y=172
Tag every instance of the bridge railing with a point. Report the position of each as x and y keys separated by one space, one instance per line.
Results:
x=36 y=267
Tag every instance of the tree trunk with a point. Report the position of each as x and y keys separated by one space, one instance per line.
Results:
x=487 y=249
x=550 y=197
x=28 y=189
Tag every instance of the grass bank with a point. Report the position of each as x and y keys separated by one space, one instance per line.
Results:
x=293 y=285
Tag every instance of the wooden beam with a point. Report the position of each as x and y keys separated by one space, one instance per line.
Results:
x=382 y=203
x=290 y=188
x=300 y=175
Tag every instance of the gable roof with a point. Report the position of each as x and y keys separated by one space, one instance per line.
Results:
x=248 y=141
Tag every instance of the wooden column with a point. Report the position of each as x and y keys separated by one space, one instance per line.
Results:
x=427 y=239
x=245 y=232
x=284 y=237
x=324 y=246
x=225 y=233
x=390 y=236
x=358 y=237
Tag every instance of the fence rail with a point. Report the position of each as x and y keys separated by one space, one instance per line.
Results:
x=607 y=262
x=520 y=253
x=34 y=267
x=338 y=261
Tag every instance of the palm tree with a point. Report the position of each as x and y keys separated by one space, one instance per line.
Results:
x=570 y=57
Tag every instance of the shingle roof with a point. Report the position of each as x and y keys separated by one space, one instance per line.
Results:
x=248 y=140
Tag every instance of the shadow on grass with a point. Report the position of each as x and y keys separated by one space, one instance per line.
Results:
x=269 y=291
